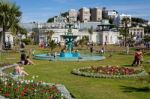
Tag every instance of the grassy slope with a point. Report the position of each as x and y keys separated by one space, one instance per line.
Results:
x=89 y=88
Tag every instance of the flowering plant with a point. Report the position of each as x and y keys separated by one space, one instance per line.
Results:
x=28 y=89
x=108 y=72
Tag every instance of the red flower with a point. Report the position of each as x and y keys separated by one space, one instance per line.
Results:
x=16 y=89
x=7 y=94
x=25 y=91
x=23 y=94
x=1 y=89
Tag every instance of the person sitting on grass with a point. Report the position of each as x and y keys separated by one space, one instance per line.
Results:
x=20 y=71
x=28 y=61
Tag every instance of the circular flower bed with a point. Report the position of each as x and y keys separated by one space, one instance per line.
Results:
x=109 y=72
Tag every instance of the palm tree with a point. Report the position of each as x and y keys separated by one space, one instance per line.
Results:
x=33 y=34
x=49 y=35
x=91 y=30
x=124 y=30
x=52 y=44
x=83 y=41
x=9 y=17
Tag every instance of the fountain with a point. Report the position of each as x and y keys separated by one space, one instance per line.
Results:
x=69 y=40
x=69 y=55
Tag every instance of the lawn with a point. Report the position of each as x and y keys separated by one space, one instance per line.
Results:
x=84 y=87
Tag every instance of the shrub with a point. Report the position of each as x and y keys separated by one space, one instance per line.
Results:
x=26 y=41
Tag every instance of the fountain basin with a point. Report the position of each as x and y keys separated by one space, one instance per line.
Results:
x=69 y=57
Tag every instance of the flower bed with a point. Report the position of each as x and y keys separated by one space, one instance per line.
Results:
x=27 y=89
x=18 y=88
x=109 y=72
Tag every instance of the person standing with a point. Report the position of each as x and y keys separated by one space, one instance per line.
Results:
x=22 y=45
x=91 y=48
x=127 y=49
x=138 y=57
x=23 y=57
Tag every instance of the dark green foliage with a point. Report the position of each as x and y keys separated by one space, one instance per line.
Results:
x=52 y=44
x=50 y=20
x=138 y=20
x=65 y=14
x=147 y=29
x=83 y=41
x=27 y=41
x=147 y=38
x=9 y=18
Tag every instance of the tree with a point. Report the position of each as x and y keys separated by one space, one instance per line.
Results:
x=52 y=45
x=147 y=38
x=65 y=14
x=50 y=20
x=49 y=35
x=124 y=29
x=91 y=30
x=147 y=29
x=9 y=17
x=83 y=41
x=137 y=21
x=32 y=37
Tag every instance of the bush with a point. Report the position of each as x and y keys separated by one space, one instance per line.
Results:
x=26 y=41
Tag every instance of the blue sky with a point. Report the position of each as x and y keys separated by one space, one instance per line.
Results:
x=41 y=10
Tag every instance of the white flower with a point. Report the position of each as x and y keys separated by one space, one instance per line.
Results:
x=33 y=77
x=5 y=82
x=31 y=81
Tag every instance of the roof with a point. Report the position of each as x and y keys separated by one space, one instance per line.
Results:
x=136 y=27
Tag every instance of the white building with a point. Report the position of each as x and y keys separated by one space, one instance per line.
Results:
x=59 y=19
x=107 y=35
x=137 y=33
x=112 y=14
x=100 y=37
x=148 y=23
x=118 y=20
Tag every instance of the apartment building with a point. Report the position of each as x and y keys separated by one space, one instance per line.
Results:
x=96 y=14
x=73 y=15
x=84 y=14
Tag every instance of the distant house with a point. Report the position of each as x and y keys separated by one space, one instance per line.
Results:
x=107 y=35
x=137 y=33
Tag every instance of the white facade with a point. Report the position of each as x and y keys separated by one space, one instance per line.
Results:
x=112 y=14
x=149 y=22
x=100 y=37
x=57 y=36
x=108 y=37
x=118 y=20
x=137 y=33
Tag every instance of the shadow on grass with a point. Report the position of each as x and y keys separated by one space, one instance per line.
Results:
x=134 y=89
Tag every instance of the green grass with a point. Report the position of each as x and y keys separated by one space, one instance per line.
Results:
x=88 y=88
